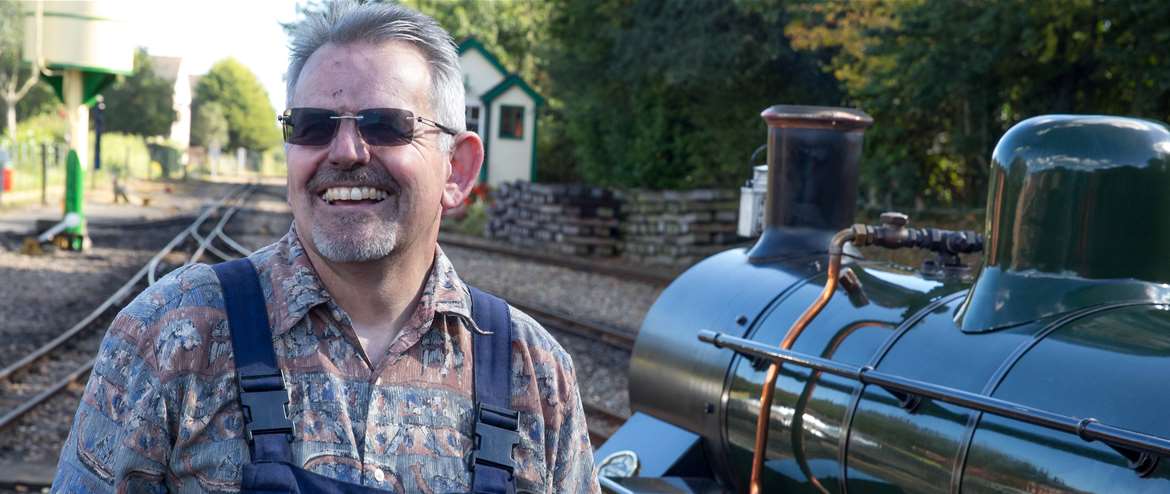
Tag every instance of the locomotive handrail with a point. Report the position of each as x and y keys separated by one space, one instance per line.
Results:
x=1135 y=446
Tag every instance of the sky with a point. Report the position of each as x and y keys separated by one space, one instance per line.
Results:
x=206 y=31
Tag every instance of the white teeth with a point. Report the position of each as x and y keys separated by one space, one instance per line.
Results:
x=353 y=194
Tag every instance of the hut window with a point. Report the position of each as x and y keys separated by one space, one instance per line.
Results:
x=512 y=122
x=473 y=118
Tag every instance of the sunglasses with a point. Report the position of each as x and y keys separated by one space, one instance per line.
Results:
x=377 y=126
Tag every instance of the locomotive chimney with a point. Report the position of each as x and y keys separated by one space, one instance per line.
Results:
x=813 y=152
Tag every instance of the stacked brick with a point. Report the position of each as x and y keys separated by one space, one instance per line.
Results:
x=560 y=218
x=678 y=227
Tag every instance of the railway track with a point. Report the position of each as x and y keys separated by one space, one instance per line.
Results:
x=68 y=358
x=660 y=276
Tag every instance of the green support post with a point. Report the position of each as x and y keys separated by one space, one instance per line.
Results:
x=75 y=201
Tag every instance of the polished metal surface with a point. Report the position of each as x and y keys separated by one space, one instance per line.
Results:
x=677 y=378
x=1062 y=343
x=813 y=154
x=809 y=454
x=1107 y=364
x=1069 y=219
x=661 y=449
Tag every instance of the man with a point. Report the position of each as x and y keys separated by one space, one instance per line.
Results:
x=371 y=327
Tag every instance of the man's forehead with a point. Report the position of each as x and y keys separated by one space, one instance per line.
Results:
x=354 y=76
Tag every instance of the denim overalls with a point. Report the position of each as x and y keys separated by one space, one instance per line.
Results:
x=264 y=399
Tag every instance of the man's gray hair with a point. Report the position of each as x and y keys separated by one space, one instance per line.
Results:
x=346 y=21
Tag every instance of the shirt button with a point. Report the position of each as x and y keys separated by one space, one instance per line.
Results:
x=378 y=475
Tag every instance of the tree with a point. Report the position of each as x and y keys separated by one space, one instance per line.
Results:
x=12 y=88
x=944 y=80
x=667 y=94
x=209 y=127
x=142 y=103
x=511 y=29
x=250 y=117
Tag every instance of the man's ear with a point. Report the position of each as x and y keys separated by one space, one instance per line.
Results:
x=466 y=159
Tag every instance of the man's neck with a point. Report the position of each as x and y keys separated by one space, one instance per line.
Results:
x=379 y=296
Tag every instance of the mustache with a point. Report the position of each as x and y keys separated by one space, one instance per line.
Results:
x=362 y=176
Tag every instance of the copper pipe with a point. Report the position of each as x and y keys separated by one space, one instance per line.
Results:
x=836 y=248
x=806 y=395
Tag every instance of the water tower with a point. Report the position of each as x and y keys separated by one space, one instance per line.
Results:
x=81 y=47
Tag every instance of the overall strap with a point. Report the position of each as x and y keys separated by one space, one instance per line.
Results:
x=261 y=385
x=496 y=423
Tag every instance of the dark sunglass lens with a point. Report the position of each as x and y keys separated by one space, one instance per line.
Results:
x=310 y=127
x=386 y=126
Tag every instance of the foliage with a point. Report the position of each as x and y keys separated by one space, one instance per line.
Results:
x=46 y=127
x=209 y=126
x=142 y=103
x=16 y=78
x=513 y=33
x=472 y=220
x=250 y=117
x=124 y=155
x=667 y=94
x=39 y=100
x=944 y=80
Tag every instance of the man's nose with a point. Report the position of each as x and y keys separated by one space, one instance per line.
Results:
x=348 y=149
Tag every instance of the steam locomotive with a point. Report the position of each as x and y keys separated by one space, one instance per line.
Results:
x=799 y=365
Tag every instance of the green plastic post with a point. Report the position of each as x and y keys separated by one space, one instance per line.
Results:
x=75 y=200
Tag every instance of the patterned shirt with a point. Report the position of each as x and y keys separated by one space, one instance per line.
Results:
x=160 y=412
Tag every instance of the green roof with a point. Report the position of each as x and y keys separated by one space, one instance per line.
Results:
x=507 y=83
x=475 y=44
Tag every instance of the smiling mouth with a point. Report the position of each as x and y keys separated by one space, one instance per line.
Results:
x=353 y=195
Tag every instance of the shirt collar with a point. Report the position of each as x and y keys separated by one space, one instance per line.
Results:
x=293 y=281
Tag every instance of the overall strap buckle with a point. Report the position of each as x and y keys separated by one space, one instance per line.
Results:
x=265 y=404
x=497 y=431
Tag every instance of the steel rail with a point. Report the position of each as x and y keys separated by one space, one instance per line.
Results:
x=205 y=245
x=1088 y=429
x=589 y=329
x=223 y=256
x=115 y=298
x=52 y=390
x=231 y=242
x=627 y=272
x=152 y=266
x=43 y=396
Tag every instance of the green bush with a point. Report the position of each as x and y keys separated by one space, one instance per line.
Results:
x=472 y=222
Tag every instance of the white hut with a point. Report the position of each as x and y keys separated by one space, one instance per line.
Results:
x=501 y=108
